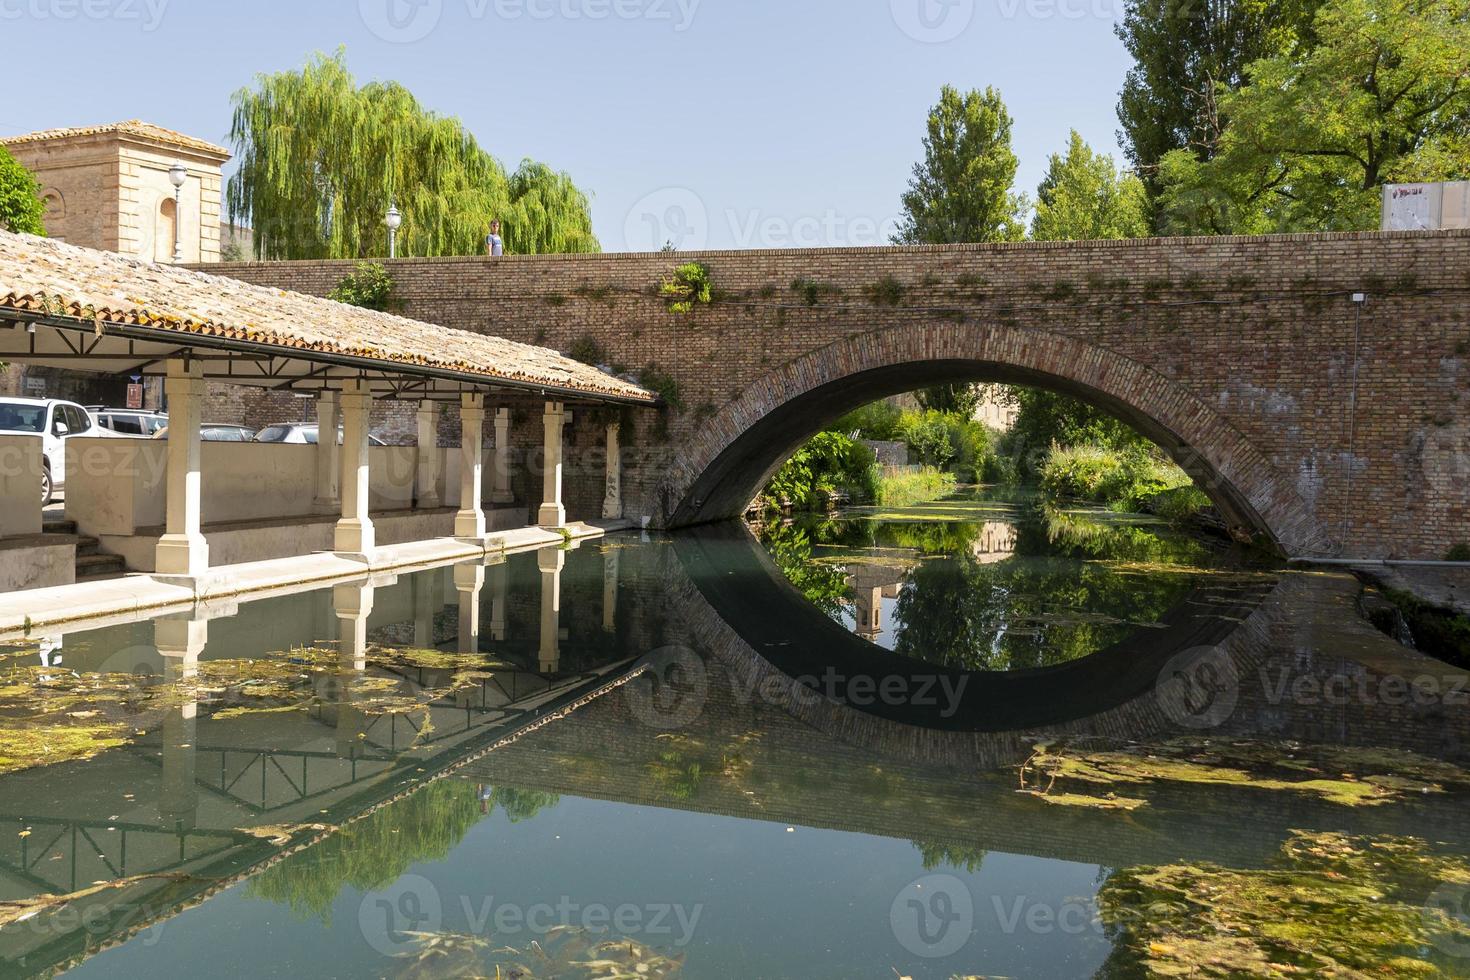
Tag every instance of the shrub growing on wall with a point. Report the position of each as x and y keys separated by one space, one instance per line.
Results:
x=369 y=287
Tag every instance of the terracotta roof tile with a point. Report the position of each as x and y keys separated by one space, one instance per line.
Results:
x=45 y=276
x=133 y=127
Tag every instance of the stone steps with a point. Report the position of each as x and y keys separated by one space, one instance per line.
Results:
x=92 y=564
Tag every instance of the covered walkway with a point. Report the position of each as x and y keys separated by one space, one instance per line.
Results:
x=90 y=311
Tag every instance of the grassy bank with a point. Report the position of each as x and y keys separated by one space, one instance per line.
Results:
x=907 y=487
x=1131 y=480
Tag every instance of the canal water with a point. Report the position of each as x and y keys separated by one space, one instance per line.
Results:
x=989 y=736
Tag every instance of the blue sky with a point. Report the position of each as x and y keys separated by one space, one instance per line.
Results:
x=718 y=123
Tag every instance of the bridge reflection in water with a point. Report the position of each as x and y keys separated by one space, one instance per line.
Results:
x=602 y=662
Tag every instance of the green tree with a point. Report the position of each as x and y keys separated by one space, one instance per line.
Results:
x=321 y=159
x=1383 y=95
x=1083 y=197
x=1046 y=417
x=961 y=398
x=1182 y=50
x=962 y=190
x=21 y=208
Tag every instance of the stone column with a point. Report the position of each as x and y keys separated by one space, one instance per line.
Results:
x=328 y=454
x=469 y=580
x=612 y=500
x=497 y=601
x=502 y=493
x=180 y=641
x=430 y=462
x=470 y=521
x=355 y=534
x=552 y=514
x=182 y=551
x=551 y=561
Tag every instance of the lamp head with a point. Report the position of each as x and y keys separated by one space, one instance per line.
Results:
x=177 y=174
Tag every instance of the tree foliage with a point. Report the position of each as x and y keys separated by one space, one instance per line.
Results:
x=962 y=190
x=1183 y=50
x=21 y=207
x=321 y=160
x=961 y=398
x=1083 y=197
x=1381 y=95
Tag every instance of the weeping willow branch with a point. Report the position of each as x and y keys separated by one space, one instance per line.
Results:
x=321 y=159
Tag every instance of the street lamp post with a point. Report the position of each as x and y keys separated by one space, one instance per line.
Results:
x=394 y=221
x=177 y=174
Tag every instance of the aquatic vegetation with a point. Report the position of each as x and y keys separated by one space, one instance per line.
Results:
x=44 y=745
x=1332 y=905
x=51 y=714
x=23 y=909
x=683 y=761
x=565 y=953
x=1336 y=774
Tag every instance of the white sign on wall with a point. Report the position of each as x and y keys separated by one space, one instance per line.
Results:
x=1426 y=207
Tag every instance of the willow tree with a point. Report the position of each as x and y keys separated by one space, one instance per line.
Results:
x=322 y=158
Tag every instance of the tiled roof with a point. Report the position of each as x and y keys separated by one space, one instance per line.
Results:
x=38 y=275
x=133 y=127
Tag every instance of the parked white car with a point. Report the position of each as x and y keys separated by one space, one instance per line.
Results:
x=301 y=435
x=130 y=423
x=54 y=422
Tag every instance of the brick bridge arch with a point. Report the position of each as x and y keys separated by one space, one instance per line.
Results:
x=726 y=461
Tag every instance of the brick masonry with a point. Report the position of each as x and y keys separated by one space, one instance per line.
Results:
x=1238 y=354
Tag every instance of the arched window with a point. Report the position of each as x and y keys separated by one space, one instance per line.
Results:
x=55 y=217
x=163 y=239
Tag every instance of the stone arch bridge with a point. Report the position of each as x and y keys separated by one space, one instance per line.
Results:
x=1317 y=386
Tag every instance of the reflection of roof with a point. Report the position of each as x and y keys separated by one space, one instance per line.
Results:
x=59 y=282
x=136 y=128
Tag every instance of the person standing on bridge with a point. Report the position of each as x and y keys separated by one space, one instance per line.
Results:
x=494 y=244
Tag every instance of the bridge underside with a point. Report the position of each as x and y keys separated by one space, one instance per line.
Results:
x=735 y=478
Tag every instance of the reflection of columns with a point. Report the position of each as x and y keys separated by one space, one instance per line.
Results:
x=551 y=561
x=610 y=561
x=552 y=513
x=502 y=493
x=355 y=530
x=328 y=454
x=426 y=475
x=612 y=500
x=353 y=604
x=426 y=607
x=497 y=601
x=182 y=550
x=469 y=580
x=180 y=641
x=869 y=612
x=470 y=521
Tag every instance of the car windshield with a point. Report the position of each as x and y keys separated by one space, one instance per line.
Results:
x=274 y=433
x=22 y=418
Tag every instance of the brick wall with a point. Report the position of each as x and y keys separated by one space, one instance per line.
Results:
x=1237 y=350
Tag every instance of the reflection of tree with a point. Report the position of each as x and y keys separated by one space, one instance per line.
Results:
x=950 y=856
x=790 y=546
x=1055 y=603
x=376 y=851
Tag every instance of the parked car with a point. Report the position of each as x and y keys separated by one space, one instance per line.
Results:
x=301 y=435
x=130 y=423
x=54 y=422
x=217 y=432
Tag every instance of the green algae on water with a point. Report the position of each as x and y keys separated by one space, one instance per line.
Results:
x=1331 y=906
